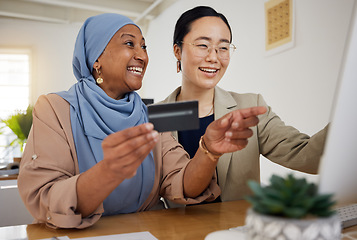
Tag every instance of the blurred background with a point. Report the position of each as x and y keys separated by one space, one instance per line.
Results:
x=37 y=41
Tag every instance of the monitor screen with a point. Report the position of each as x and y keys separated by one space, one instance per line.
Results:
x=338 y=167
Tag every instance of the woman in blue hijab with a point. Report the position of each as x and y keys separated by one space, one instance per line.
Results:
x=91 y=150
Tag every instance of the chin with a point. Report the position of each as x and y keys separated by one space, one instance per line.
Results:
x=209 y=84
x=136 y=87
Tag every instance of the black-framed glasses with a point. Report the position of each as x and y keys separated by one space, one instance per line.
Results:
x=224 y=50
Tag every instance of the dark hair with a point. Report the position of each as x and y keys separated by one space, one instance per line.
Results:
x=183 y=24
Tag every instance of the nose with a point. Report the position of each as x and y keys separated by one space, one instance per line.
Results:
x=141 y=55
x=212 y=55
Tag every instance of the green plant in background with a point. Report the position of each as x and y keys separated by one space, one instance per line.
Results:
x=20 y=124
x=290 y=197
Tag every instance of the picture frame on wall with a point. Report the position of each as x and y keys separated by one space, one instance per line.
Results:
x=279 y=19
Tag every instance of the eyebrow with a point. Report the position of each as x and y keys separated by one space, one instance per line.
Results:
x=130 y=35
x=210 y=39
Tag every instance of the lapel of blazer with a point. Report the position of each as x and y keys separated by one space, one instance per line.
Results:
x=170 y=99
x=223 y=104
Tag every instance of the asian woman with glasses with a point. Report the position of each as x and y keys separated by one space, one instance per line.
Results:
x=202 y=45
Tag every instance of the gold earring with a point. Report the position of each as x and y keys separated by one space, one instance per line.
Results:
x=99 y=79
x=178 y=66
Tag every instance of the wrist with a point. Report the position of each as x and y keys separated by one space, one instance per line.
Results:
x=111 y=177
x=209 y=154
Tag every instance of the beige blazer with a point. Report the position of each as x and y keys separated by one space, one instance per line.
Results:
x=273 y=139
x=49 y=169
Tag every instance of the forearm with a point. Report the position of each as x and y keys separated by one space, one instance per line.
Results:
x=198 y=174
x=93 y=187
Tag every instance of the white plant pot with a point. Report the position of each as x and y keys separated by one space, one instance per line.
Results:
x=266 y=227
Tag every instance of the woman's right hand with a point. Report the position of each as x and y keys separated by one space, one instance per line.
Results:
x=231 y=132
x=124 y=151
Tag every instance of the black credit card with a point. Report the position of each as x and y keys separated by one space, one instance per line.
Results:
x=178 y=116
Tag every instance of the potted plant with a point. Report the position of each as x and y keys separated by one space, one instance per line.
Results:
x=20 y=124
x=291 y=208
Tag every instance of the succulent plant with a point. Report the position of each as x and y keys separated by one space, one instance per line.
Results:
x=290 y=197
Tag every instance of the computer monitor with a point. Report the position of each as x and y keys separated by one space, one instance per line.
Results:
x=338 y=167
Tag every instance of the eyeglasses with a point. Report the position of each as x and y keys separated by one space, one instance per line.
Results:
x=223 y=50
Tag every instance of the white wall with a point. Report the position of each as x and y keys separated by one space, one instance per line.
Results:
x=299 y=83
x=52 y=49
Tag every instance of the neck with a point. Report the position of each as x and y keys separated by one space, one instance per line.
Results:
x=205 y=99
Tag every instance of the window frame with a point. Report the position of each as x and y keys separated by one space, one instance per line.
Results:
x=9 y=152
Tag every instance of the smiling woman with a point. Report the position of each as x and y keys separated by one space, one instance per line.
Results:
x=199 y=35
x=92 y=152
x=125 y=52
x=204 y=55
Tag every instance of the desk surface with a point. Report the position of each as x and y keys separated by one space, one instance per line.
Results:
x=8 y=177
x=193 y=222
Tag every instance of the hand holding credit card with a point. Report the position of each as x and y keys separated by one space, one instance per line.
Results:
x=176 y=116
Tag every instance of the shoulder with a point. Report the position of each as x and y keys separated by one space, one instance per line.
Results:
x=242 y=100
x=172 y=97
x=52 y=108
x=51 y=115
x=53 y=101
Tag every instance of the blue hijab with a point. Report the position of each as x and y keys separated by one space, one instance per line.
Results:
x=94 y=115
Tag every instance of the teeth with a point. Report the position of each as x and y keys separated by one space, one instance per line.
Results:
x=210 y=70
x=136 y=70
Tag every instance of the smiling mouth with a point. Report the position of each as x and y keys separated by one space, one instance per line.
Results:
x=208 y=70
x=135 y=70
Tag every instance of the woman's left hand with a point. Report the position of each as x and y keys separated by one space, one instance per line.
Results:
x=230 y=133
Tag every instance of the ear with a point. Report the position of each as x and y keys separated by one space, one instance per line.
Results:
x=96 y=65
x=177 y=52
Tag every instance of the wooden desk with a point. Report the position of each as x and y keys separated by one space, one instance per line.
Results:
x=9 y=177
x=191 y=223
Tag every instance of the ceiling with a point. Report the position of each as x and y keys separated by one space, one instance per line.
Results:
x=69 y=11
